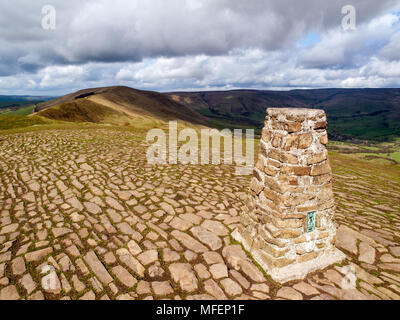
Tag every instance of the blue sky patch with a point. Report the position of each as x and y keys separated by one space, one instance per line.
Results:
x=309 y=40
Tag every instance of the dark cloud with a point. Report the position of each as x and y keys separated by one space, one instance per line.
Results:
x=125 y=38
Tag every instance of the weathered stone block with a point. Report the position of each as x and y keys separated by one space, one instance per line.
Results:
x=274 y=163
x=288 y=158
x=274 y=154
x=322 y=179
x=307 y=208
x=320 y=125
x=305 y=140
x=296 y=170
x=273 y=184
x=292 y=141
x=256 y=187
x=317 y=158
x=282 y=262
x=284 y=179
x=277 y=125
x=291 y=127
x=276 y=140
x=307 y=257
x=287 y=223
x=273 y=196
x=320 y=169
x=263 y=149
x=287 y=233
x=266 y=135
x=260 y=164
x=297 y=199
x=324 y=138
x=271 y=171
x=258 y=175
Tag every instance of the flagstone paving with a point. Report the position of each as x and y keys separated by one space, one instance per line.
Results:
x=83 y=216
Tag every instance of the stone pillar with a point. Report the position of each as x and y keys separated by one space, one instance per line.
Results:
x=287 y=224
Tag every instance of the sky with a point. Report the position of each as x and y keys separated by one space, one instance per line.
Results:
x=193 y=45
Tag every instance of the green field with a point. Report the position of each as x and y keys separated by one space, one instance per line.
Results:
x=377 y=128
x=22 y=108
x=23 y=111
x=374 y=151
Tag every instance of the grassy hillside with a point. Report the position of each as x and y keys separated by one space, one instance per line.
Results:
x=382 y=152
x=20 y=121
x=101 y=104
x=80 y=111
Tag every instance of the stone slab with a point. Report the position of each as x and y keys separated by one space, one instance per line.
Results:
x=296 y=271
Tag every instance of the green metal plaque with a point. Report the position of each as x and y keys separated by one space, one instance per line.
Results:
x=310 y=221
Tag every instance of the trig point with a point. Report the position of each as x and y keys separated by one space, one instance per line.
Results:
x=288 y=222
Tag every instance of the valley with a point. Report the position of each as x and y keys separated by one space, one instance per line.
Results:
x=353 y=114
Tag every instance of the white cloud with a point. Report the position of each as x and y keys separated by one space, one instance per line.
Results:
x=392 y=50
x=343 y=49
x=60 y=75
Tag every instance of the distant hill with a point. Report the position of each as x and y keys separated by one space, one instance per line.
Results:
x=13 y=98
x=117 y=105
x=353 y=113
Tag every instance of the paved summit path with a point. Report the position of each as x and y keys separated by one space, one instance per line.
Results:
x=82 y=216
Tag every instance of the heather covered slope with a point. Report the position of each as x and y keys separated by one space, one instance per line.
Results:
x=117 y=104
